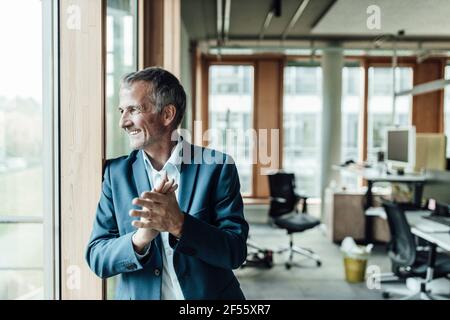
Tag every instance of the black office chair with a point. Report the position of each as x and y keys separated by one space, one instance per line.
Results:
x=284 y=214
x=410 y=260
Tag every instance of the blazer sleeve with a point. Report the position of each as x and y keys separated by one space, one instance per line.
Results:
x=108 y=253
x=223 y=243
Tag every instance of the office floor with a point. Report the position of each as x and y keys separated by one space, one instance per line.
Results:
x=309 y=282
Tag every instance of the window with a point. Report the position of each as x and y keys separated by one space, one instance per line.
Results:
x=26 y=154
x=352 y=94
x=447 y=110
x=121 y=48
x=301 y=125
x=381 y=105
x=231 y=116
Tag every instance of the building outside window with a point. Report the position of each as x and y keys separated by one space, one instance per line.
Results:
x=231 y=116
x=381 y=105
x=352 y=96
x=26 y=156
x=301 y=126
x=121 y=58
x=121 y=50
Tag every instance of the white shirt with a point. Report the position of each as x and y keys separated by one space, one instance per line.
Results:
x=170 y=289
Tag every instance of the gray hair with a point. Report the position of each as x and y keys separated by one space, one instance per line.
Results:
x=166 y=89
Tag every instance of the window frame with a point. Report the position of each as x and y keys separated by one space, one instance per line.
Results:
x=305 y=64
x=378 y=64
x=50 y=100
x=237 y=62
x=50 y=111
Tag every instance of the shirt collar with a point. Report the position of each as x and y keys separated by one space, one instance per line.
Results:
x=173 y=161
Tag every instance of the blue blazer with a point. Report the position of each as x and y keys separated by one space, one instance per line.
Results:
x=214 y=232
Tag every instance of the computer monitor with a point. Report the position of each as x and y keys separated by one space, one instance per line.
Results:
x=401 y=148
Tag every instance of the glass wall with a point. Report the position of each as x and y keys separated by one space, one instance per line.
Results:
x=301 y=124
x=352 y=100
x=381 y=105
x=231 y=116
x=22 y=268
x=121 y=48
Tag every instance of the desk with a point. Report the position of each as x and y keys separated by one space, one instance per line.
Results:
x=435 y=239
x=440 y=239
x=372 y=176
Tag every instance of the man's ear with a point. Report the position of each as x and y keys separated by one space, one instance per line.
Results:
x=168 y=114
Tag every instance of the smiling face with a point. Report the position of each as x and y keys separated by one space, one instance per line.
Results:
x=140 y=119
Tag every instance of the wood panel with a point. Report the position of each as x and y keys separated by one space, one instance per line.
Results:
x=82 y=139
x=267 y=115
x=204 y=115
x=364 y=115
x=172 y=36
x=147 y=35
x=151 y=36
x=159 y=34
x=200 y=71
x=428 y=109
x=196 y=85
x=267 y=111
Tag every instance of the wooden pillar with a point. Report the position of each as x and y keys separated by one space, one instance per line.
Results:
x=82 y=59
x=200 y=81
x=364 y=115
x=268 y=108
x=159 y=34
x=428 y=109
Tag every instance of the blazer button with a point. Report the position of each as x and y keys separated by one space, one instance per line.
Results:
x=157 y=272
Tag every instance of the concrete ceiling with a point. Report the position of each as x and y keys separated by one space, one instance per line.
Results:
x=247 y=18
x=322 y=20
x=418 y=18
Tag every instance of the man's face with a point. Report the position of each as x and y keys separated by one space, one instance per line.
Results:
x=140 y=119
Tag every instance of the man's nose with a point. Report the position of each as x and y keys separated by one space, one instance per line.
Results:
x=124 y=120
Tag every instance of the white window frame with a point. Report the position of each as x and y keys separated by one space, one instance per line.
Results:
x=50 y=102
x=50 y=99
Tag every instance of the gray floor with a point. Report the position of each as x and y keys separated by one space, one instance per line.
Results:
x=308 y=282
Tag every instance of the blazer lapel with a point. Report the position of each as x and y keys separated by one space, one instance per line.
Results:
x=188 y=178
x=143 y=184
x=140 y=174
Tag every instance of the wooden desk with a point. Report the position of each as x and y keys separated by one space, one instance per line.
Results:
x=374 y=175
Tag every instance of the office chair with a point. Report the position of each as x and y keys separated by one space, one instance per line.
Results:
x=408 y=260
x=284 y=214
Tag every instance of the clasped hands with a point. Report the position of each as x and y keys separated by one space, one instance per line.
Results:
x=160 y=212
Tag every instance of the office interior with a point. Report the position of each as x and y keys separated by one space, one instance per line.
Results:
x=336 y=112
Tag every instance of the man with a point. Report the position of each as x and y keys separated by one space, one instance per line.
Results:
x=165 y=241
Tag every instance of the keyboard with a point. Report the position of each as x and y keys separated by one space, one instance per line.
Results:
x=439 y=219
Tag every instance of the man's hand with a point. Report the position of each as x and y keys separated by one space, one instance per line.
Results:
x=146 y=233
x=160 y=211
